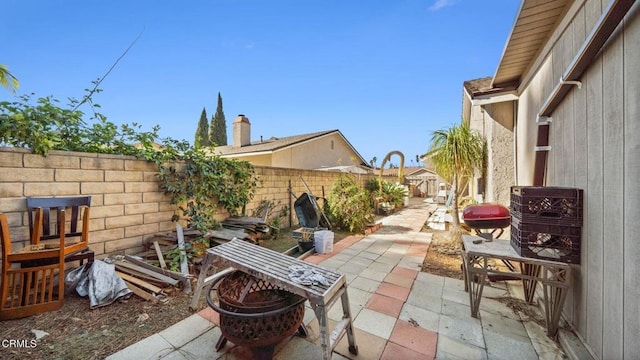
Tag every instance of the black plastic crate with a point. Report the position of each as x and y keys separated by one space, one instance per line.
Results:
x=546 y=241
x=547 y=205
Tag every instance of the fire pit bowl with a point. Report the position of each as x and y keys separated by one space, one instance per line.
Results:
x=254 y=313
x=486 y=216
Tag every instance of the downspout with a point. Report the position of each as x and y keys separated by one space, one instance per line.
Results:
x=515 y=142
x=604 y=27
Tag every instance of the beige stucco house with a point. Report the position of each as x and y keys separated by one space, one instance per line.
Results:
x=307 y=151
x=490 y=112
x=570 y=71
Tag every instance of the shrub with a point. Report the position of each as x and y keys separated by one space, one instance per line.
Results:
x=382 y=191
x=349 y=205
x=394 y=193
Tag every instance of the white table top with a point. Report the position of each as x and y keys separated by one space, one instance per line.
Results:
x=501 y=249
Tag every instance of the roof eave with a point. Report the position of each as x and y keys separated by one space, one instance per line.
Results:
x=243 y=154
x=559 y=12
x=506 y=44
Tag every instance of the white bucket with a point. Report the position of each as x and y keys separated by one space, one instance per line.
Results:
x=323 y=241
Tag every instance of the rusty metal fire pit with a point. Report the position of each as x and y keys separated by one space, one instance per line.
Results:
x=255 y=313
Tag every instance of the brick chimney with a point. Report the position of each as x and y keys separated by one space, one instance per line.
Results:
x=241 y=131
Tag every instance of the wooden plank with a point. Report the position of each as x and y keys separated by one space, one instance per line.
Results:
x=632 y=195
x=148 y=272
x=142 y=263
x=145 y=277
x=184 y=266
x=151 y=254
x=139 y=282
x=243 y=220
x=613 y=107
x=156 y=246
x=141 y=293
x=226 y=234
x=164 y=240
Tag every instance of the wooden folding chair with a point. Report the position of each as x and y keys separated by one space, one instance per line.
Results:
x=76 y=245
x=28 y=290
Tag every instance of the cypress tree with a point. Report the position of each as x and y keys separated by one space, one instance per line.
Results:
x=202 y=133
x=212 y=132
x=218 y=130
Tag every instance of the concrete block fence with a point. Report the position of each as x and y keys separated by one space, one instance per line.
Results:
x=127 y=205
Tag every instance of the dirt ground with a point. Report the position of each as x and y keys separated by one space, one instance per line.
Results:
x=443 y=257
x=78 y=332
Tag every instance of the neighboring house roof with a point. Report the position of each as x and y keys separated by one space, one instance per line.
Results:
x=274 y=144
x=421 y=172
x=407 y=171
x=353 y=169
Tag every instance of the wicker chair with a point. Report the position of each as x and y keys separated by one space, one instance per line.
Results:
x=28 y=290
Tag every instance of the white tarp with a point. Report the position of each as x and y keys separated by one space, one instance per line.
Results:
x=99 y=282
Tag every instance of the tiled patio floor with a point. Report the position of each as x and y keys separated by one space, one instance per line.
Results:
x=399 y=312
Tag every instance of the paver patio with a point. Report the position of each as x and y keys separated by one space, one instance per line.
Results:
x=399 y=312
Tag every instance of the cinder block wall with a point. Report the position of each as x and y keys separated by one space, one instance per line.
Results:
x=127 y=205
x=275 y=183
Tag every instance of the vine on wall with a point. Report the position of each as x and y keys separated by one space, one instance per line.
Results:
x=197 y=181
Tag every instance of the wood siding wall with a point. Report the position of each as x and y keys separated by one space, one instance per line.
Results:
x=595 y=140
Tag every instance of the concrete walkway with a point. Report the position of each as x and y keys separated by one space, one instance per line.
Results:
x=399 y=312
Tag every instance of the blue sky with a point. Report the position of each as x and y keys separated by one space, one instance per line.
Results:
x=386 y=73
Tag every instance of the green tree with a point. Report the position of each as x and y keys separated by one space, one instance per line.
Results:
x=218 y=130
x=455 y=153
x=7 y=79
x=202 y=133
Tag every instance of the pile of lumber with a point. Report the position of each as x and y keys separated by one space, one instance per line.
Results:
x=244 y=228
x=162 y=243
x=250 y=224
x=241 y=227
x=223 y=235
x=148 y=281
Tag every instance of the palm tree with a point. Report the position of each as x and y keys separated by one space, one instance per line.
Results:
x=455 y=153
x=7 y=79
x=373 y=162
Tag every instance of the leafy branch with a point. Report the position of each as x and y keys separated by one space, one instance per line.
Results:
x=197 y=182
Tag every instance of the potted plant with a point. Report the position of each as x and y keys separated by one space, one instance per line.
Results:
x=305 y=243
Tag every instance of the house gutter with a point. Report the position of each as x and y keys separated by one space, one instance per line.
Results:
x=605 y=26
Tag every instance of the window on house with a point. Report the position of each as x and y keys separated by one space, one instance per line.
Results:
x=331 y=144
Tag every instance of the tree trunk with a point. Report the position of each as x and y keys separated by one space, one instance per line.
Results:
x=454 y=204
